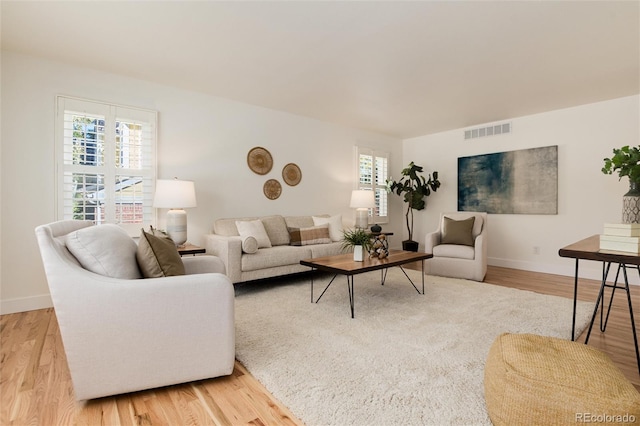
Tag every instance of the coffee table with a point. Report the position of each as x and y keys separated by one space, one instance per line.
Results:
x=343 y=264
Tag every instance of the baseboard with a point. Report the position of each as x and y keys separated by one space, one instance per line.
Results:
x=23 y=304
x=588 y=269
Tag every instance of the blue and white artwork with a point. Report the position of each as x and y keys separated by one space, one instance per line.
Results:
x=513 y=182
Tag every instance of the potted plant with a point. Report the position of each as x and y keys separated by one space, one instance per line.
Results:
x=415 y=188
x=626 y=161
x=359 y=239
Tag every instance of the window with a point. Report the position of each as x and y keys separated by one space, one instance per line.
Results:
x=372 y=170
x=106 y=165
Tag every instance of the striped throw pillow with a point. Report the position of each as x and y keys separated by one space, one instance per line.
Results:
x=311 y=235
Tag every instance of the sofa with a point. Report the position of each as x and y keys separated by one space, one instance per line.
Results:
x=249 y=255
x=122 y=332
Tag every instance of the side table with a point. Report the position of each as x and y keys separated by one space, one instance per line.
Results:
x=589 y=249
x=189 y=248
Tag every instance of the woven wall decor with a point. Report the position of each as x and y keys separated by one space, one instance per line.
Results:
x=260 y=160
x=291 y=174
x=272 y=189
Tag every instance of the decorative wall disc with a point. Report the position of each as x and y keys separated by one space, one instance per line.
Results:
x=272 y=189
x=260 y=160
x=291 y=174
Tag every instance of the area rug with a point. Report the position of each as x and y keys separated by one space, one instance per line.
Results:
x=405 y=359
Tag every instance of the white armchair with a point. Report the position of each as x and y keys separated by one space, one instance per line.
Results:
x=125 y=335
x=459 y=260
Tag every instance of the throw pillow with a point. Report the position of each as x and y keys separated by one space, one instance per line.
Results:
x=158 y=256
x=308 y=236
x=276 y=229
x=255 y=229
x=106 y=250
x=335 y=225
x=249 y=245
x=458 y=231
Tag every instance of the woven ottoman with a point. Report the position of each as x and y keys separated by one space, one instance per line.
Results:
x=536 y=380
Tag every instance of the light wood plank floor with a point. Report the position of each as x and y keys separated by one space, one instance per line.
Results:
x=35 y=386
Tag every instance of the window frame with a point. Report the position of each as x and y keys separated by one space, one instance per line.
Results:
x=110 y=168
x=374 y=185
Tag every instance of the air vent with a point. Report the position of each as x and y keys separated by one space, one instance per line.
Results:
x=494 y=129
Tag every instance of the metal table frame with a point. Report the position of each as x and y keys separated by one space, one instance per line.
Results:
x=589 y=249
x=345 y=265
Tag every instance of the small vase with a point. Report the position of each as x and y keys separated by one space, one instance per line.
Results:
x=631 y=204
x=358 y=253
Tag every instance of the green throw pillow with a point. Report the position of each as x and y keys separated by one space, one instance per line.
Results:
x=158 y=256
x=458 y=231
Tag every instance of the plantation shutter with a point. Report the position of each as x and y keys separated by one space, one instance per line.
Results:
x=372 y=175
x=106 y=165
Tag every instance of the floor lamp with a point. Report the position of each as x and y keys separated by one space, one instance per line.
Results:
x=175 y=195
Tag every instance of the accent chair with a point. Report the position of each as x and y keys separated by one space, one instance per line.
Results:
x=124 y=335
x=459 y=247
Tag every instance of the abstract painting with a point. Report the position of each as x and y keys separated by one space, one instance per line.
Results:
x=513 y=182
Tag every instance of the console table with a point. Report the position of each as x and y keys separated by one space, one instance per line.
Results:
x=589 y=249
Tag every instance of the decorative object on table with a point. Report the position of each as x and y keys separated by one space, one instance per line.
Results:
x=260 y=160
x=375 y=228
x=175 y=195
x=272 y=189
x=621 y=237
x=379 y=247
x=415 y=188
x=359 y=239
x=362 y=200
x=515 y=182
x=626 y=161
x=291 y=174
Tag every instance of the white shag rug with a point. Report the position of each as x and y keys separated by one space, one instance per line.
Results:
x=406 y=358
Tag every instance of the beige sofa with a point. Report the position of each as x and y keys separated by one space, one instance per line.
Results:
x=281 y=258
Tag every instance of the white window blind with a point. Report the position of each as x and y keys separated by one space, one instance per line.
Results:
x=373 y=170
x=106 y=163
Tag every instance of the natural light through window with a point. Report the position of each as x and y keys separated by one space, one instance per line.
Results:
x=106 y=162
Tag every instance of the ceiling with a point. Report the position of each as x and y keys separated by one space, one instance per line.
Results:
x=403 y=69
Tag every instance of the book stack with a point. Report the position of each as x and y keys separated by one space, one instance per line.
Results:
x=621 y=237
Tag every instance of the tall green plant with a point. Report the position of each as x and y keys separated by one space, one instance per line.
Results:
x=414 y=188
x=626 y=161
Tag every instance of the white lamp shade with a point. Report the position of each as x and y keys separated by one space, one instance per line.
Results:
x=362 y=198
x=174 y=194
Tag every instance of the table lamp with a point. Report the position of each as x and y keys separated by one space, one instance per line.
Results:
x=175 y=195
x=362 y=200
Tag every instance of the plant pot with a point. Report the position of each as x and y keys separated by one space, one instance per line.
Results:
x=409 y=245
x=631 y=204
x=358 y=253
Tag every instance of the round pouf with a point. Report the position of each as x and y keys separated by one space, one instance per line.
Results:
x=537 y=380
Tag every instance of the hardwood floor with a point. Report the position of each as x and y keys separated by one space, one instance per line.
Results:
x=36 y=388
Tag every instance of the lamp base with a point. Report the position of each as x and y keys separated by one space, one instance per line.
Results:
x=177 y=226
x=362 y=218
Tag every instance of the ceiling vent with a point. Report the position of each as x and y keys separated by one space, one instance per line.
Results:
x=494 y=129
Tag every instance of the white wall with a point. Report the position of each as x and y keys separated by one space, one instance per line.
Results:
x=201 y=138
x=206 y=139
x=586 y=197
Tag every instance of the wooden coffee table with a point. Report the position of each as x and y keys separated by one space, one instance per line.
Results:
x=343 y=264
